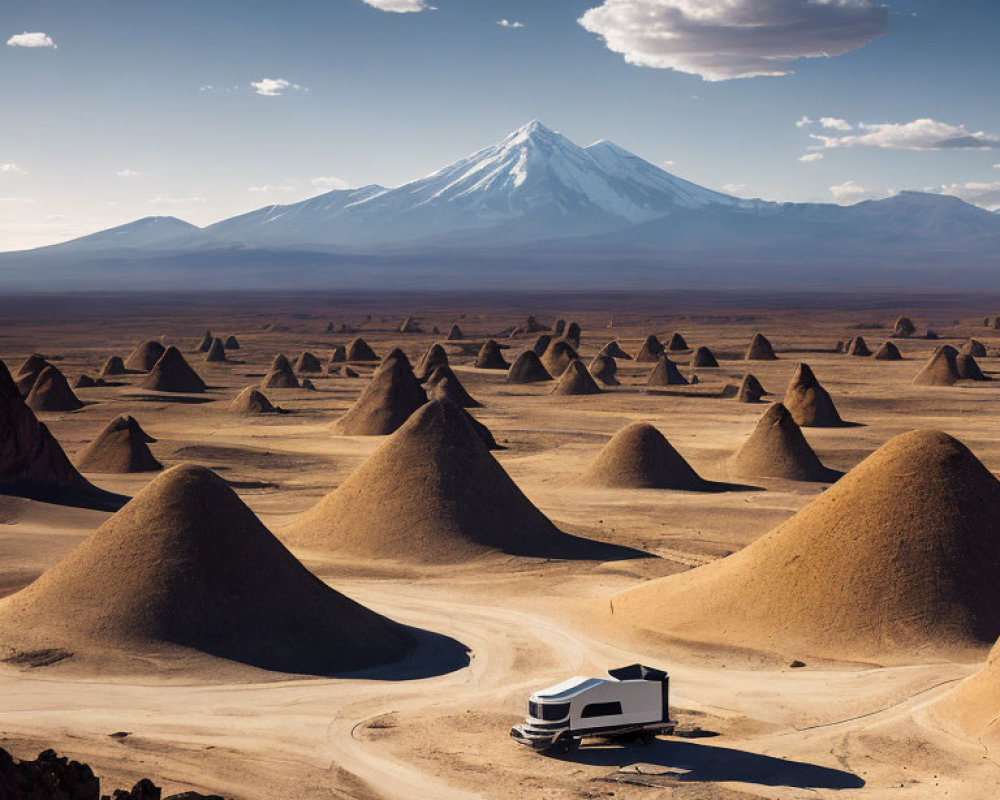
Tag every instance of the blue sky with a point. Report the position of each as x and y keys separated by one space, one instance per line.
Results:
x=149 y=107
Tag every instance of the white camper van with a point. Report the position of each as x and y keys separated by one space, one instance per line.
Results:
x=633 y=703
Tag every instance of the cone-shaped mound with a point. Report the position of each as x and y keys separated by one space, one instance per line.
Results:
x=120 y=448
x=172 y=373
x=897 y=561
x=409 y=325
x=777 y=449
x=85 y=382
x=232 y=343
x=443 y=384
x=751 y=390
x=973 y=703
x=392 y=357
x=572 y=334
x=347 y=372
x=491 y=356
x=527 y=368
x=676 y=343
x=968 y=368
x=640 y=457
x=604 y=368
x=974 y=348
x=703 y=357
x=251 y=401
x=113 y=366
x=858 y=347
x=358 y=350
x=433 y=493
x=392 y=395
x=434 y=357
x=307 y=362
x=614 y=350
x=534 y=326
x=650 y=351
x=760 y=349
x=576 y=380
x=541 y=344
x=904 y=328
x=809 y=403
x=145 y=355
x=205 y=343
x=187 y=565
x=666 y=373
x=559 y=328
x=308 y=384
x=216 y=352
x=339 y=354
x=280 y=376
x=888 y=351
x=28 y=373
x=52 y=392
x=941 y=368
x=455 y=333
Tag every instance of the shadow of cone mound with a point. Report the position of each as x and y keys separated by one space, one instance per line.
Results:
x=52 y=392
x=760 y=349
x=434 y=357
x=113 y=366
x=251 y=401
x=392 y=395
x=665 y=373
x=491 y=356
x=614 y=350
x=358 y=350
x=751 y=390
x=974 y=348
x=541 y=344
x=558 y=355
x=640 y=457
x=809 y=403
x=703 y=357
x=409 y=325
x=28 y=373
x=604 y=369
x=307 y=362
x=455 y=334
x=206 y=343
x=280 y=376
x=216 y=352
x=232 y=343
x=572 y=334
x=339 y=355
x=575 y=380
x=777 y=449
x=203 y=574
x=527 y=368
x=433 y=493
x=172 y=373
x=650 y=351
x=858 y=347
x=120 y=448
x=904 y=328
x=145 y=355
x=559 y=328
x=443 y=384
x=895 y=563
x=941 y=368
x=676 y=343
x=888 y=351
x=968 y=368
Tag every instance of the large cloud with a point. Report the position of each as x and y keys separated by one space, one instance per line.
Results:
x=985 y=195
x=921 y=134
x=37 y=39
x=724 y=39
x=400 y=6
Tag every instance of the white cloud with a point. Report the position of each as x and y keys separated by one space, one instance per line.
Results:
x=330 y=182
x=725 y=39
x=808 y=157
x=986 y=195
x=804 y=121
x=170 y=200
x=736 y=189
x=851 y=192
x=11 y=167
x=275 y=87
x=400 y=6
x=37 y=39
x=834 y=124
x=921 y=134
x=508 y=23
x=130 y=173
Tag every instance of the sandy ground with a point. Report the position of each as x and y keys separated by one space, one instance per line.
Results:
x=825 y=730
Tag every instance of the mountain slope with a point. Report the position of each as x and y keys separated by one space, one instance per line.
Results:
x=148 y=233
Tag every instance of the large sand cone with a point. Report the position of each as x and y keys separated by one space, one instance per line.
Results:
x=491 y=356
x=640 y=457
x=145 y=355
x=307 y=362
x=28 y=373
x=541 y=344
x=232 y=343
x=888 y=351
x=392 y=395
x=433 y=493
x=650 y=351
x=605 y=369
x=186 y=566
x=443 y=384
x=760 y=349
x=206 y=343
x=676 y=343
x=455 y=334
x=809 y=403
x=968 y=368
x=777 y=449
x=576 y=380
x=527 y=368
x=558 y=355
x=280 y=376
x=904 y=328
x=614 y=350
x=52 y=392
x=394 y=356
x=216 y=352
x=113 y=366
x=172 y=373
x=120 y=448
x=434 y=357
x=858 y=347
x=666 y=373
x=358 y=350
x=251 y=401
x=941 y=368
x=896 y=562
x=751 y=390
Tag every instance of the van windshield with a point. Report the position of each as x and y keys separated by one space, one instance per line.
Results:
x=549 y=712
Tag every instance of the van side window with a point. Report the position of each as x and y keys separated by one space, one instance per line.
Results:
x=601 y=710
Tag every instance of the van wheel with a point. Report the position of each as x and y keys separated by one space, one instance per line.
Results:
x=566 y=744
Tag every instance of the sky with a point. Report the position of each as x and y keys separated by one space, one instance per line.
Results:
x=114 y=110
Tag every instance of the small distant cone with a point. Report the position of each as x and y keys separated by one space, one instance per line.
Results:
x=640 y=457
x=347 y=372
x=120 y=448
x=558 y=355
x=808 y=402
x=443 y=384
x=940 y=370
x=280 y=376
x=206 y=342
x=358 y=350
x=527 y=368
x=858 y=347
x=541 y=344
x=650 y=351
x=308 y=385
x=28 y=373
x=385 y=403
x=533 y=326
x=572 y=334
x=491 y=356
x=307 y=362
x=888 y=351
x=113 y=366
x=232 y=343
x=760 y=349
x=434 y=357
x=52 y=392
x=559 y=328
x=604 y=368
x=968 y=368
x=777 y=449
x=839 y=347
x=904 y=328
x=435 y=330
x=455 y=333
x=750 y=390
x=339 y=354
x=973 y=348
x=145 y=355
x=703 y=357
x=251 y=401
x=84 y=382
x=665 y=373
x=216 y=353
x=576 y=380
x=409 y=326
x=676 y=343
x=614 y=350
